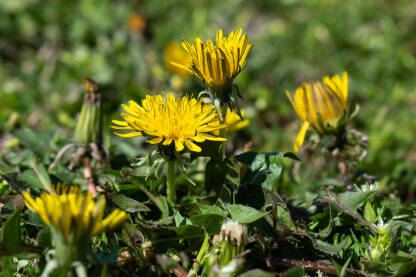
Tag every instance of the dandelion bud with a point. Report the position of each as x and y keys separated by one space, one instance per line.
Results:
x=234 y=232
x=233 y=239
x=89 y=124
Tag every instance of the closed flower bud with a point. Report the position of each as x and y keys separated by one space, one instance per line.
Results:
x=234 y=232
x=89 y=124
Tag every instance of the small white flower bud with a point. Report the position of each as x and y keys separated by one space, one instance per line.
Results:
x=234 y=232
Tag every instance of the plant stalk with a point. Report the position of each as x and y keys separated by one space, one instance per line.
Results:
x=171 y=193
x=222 y=131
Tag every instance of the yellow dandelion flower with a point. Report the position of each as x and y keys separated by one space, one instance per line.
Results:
x=167 y=119
x=173 y=53
x=73 y=215
x=323 y=105
x=216 y=65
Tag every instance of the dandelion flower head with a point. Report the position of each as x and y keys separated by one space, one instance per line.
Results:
x=167 y=119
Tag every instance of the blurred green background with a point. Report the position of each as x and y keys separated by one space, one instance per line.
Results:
x=47 y=46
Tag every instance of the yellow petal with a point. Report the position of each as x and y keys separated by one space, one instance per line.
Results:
x=120 y=123
x=345 y=87
x=180 y=66
x=210 y=137
x=192 y=146
x=179 y=145
x=128 y=135
x=155 y=140
x=301 y=136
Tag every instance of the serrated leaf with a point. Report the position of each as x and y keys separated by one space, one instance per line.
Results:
x=128 y=204
x=12 y=234
x=244 y=214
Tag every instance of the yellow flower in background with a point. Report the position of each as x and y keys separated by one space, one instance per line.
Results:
x=217 y=64
x=174 y=53
x=75 y=216
x=234 y=122
x=167 y=119
x=323 y=105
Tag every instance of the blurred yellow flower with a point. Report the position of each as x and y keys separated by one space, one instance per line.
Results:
x=217 y=64
x=174 y=53
x=323 y=105
x=73 y=215
x=234 y=122
x=166 y=119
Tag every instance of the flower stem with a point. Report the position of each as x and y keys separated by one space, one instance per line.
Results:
x=222 y=131
x=171 y=182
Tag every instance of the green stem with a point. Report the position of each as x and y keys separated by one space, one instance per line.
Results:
x=201 y=253
x=171 y=181
x=222 y=131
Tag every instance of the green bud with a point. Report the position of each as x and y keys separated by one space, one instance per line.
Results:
x=89 y=124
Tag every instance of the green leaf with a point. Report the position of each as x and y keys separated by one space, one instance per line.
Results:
x=33 y=218
x=284 y=217
x=44 y=238
x=42 y=174
x=405 y=268
x=207 y=209
x=251 y=195
x=12 y=233
x=294 y=272
x=352 y=199
x=215 y=176
x=244 y=214
x=188 y=231
x=40 y=142
x=211 y=222
x=341 y=271
x=164 y=206
x=264 y=168
x=330 y=248
x=128 y=204
x=369 y=213
x=257 y=273
x=32 y=180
